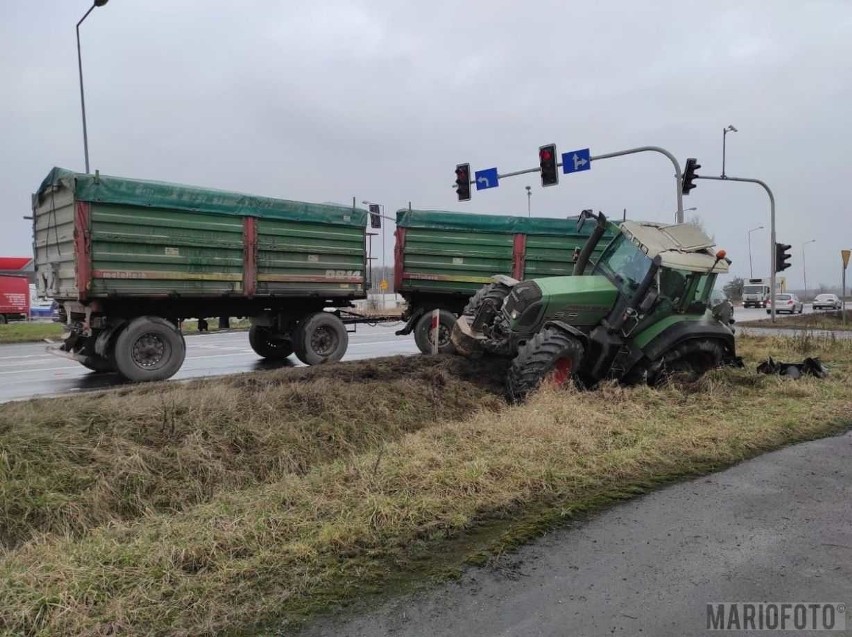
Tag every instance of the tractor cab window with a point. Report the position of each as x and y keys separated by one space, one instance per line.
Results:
x=624 y=264
x=673 y=284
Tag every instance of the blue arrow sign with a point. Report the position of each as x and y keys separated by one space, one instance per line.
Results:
x=576 y=160
x=486 y=179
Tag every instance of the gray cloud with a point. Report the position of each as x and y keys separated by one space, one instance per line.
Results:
x=379 y=100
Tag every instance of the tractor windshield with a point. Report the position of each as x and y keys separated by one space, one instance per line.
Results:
x=623 y=263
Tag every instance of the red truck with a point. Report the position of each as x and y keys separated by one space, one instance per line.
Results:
x=14 y=298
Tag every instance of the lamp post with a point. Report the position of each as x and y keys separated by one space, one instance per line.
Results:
x=804 y=266
x=750 y=268
x=728 y=129
x=679 y=215
x=529 y=198
x=97 y=3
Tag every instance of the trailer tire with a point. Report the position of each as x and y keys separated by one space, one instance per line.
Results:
x=423 y=332
x=98 y=364
x=320 y=338
x=268 y=344
x=553 y=354
x=149 y=349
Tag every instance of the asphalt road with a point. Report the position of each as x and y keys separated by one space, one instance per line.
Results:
x=774 y=529
x=27 y=370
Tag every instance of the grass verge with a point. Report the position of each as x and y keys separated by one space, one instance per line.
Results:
x=28 y=332
x=405 y=502
x=25 y=332
x=815 y=321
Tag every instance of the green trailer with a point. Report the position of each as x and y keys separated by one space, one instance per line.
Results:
x=442 y=259
x=128 y=260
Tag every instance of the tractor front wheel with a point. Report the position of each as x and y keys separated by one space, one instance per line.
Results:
x=551 y=356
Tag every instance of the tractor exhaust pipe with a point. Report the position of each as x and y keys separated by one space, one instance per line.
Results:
x=591 y=242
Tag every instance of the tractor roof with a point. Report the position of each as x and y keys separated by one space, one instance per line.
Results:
x=683 y=246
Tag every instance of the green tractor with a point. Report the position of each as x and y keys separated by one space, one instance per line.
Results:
x=641 y=315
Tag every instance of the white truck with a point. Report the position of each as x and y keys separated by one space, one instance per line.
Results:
x=756 y=292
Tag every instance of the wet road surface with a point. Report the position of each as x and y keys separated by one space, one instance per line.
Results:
x=27 y=370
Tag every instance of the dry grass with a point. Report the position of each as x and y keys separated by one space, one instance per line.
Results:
x=815 y=321
x=281 y=548
x=24 y=332
x=70 y=464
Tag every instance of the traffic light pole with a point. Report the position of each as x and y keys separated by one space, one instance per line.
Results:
x=620 y=153
x=662 y=151
x=772 y=275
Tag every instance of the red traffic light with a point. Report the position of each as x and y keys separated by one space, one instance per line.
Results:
x=547 y=162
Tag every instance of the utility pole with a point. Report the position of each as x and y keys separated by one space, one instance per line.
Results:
x=529 y=198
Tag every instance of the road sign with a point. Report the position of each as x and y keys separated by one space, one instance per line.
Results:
x=576 y=160
x=844 y=254
x=486 y=179
x=383 y=285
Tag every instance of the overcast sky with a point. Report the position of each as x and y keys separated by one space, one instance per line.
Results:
x=323 y=101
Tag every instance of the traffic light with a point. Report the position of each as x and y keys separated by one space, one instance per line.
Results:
x=375 y=216
x=547 y=161
x=689 y=175
x=463 y=182
x=782 y=257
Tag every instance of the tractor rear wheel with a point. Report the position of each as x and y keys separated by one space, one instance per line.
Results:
x=551 y=356
x=686 y=362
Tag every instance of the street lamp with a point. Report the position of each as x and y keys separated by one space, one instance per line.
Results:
x=729 y=129
x=677 y=213
x=529 y=197
x=97 y=3
x=750 y=268
x=804 y=266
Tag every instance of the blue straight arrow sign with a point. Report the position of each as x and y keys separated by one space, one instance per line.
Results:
x=486 y=179
x=576 y=160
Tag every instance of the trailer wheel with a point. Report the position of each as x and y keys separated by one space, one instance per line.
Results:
x=269 y=344
x=148 y=349
x=320 y=338
x=98 y=364
x=550 y=356
x=423 y=332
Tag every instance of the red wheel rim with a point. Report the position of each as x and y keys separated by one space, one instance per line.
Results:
x=561 y=371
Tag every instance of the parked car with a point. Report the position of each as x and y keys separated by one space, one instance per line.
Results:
x=827 y=302
x=789 y=303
